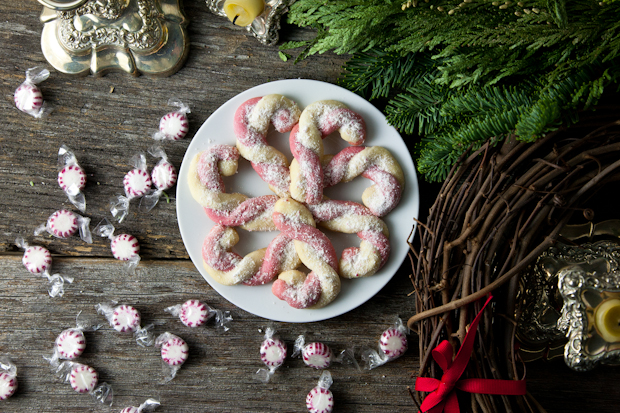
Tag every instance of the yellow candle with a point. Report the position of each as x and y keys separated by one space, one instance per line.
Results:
x=607 y=320
x=243 y=12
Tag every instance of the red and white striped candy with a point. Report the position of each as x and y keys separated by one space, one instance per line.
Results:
x=28 y=98
x=125 y=247
x=125 y=318
x=193 y=313
x=174 y=351
x=320 y=400
x=164 y=175
x=70 y=344
x=83 y=378
x=72 y=175
x=37 y=259
x=317 y=355
x=273 y=352
x=174 y=125
x=130 y=409
x=63 y=223
x=8 y=385
x=393 y=343
x=137 y=183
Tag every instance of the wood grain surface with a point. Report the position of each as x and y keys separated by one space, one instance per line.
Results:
x=105 y=121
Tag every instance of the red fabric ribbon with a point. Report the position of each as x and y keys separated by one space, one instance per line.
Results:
x=443 y=395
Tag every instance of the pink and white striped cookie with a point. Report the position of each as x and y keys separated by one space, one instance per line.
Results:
x=137 y=183
x=174 y=351
x=393 y=343
x=8 y=385
x=317 y=355
x=63 y=223
x=193 y=313
x=273 y=352
x=125 y=318
x=70 y=344
x=72 y=175
x=320 y=400
x=28 y=98
x=125 y=247
x=174 y=125
x=83 y=378
x=164 y=175
x=37 y=259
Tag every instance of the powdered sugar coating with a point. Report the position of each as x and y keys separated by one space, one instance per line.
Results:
x=273 y=352
x=193 y=313
x=164 y=175
x=28 y=98
x=71 y=175
x=37 y=259
x=8 y=385
x=70 y=344
x=322 y=284
x=125 y=247
x=137 y=183
x=174 y=125
x=317 y=355
x=125 y=318
x=63 y=223
x=251 y=123
x=174 y=351
x=393 y=343
x=320 y=400
x=83 y=378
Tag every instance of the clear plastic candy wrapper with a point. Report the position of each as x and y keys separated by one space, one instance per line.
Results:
x=194 y=313
x=71 y=177
x=320 y=399
x=124 y=247
x=8 y=378
x=320 y=356
x=70 y=343
x=174 y=352
x=392 y=344
x=28 y=97
x=163 y=176
x=136 y=184
x=273 y=353
x=85 y=379
x=174 y=125
x=126 y=319
x=64 y=224
x=38 y=260
x=148 y=406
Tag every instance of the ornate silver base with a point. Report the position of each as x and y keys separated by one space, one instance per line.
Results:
x=266 y=26
x=98 y=36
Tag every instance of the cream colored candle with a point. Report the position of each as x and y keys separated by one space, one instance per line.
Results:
x=243 y=12
x=607 y=320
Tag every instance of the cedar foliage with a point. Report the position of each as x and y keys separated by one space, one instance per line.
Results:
x=459 y=73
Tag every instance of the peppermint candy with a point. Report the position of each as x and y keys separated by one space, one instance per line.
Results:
x=125 y=318
x=317 y=355
x=83 y=378
x=64 y=223
x=70 y=344
x=164 y=175
x=28 y=97
x=174 y=351
x=137 y=183
x=174 y=125
x=37 y=260
x=393 y=342
x=273 y=352
x=194 y=313
x=320 y=399
x=125 y=247
x=148 y=406
x=8 y=385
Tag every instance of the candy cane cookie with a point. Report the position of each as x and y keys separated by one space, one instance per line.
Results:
x=352 y=218
x=322 y=284
x=251 y=123
x=257 y=268
x=375 y=163
x=317 y=121
x=207 y=188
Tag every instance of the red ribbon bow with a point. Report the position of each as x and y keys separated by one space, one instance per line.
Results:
x=443 y=396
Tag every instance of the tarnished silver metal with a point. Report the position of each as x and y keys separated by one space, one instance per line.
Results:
x=562 y=292
x=135 y=36
x=266 y=26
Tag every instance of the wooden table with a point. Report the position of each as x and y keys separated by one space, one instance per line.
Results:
x=106 y=120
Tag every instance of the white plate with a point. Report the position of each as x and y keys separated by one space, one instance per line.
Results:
x=195 y=225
